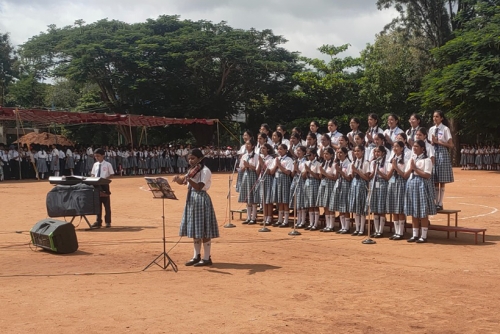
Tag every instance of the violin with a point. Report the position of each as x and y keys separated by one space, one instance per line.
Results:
x=195 y=169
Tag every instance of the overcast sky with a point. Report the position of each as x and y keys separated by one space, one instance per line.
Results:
x=306 y=24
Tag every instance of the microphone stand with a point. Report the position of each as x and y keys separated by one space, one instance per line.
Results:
x=229 y=223
x=369 y=241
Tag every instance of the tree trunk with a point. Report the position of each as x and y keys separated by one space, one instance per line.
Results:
x=455 y=152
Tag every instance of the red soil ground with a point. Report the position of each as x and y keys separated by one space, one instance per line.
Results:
x=260 y=282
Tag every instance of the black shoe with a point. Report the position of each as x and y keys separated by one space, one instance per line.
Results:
x=344 y=232
x=204 y=263
x=193 y=261
x=246 y=221
x=412 y=239
x=397 y=237
x=313 y=228
x=277 y=224
x=439 y=208
x=252 y=222
x=301 y=225
x=378 y=235
x=267 y=223
x=340 y=231
x=373 y=235
x=421 y=241
x=96 y=225
x=284 y=225
x=108 y=225
x=355 y=233
x=308 y=227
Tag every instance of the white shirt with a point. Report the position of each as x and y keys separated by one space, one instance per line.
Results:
x=363 y=167
x=286 y=162
x=334 y=137
x=422 y=164
x=69 y=153
x=392 y=133
x=204 y=176
x=444 y=134
x=253 y=161
x=106 y=169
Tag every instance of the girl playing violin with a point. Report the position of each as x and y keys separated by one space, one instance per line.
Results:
x=198 y=221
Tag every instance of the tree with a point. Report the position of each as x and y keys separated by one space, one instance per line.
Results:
x=328 y=89
x=393 y=69
x=434 y=20
x=7 y=65
x=166 y=67
x=467 y=82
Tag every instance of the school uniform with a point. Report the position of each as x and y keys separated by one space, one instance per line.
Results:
x=410 y=134
x=54 y=164
x=341 y=189
x=379 y=190
x=393 y=133
x=281 y=188
x=358 y=191
x=249 y=192
x=419 y=194
x=266 y=181
x=326 y=186
x=62 y=161
x=442 y=172
x=373 y=132
x=89 y=162
x=70 y=159
x=103 y=170
x=199 y=220
x=311 y=185
x=396 y=189
x=297 y=187
x=334 y=137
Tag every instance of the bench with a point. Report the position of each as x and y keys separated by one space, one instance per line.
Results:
x=449 y=213
x=456 y=229
x=241 y=212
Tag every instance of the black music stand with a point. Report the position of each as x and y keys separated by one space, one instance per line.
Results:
x=161 y=189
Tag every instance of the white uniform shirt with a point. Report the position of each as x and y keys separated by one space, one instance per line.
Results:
x=423 y=164
x=204 y=176
x=444 y=134
x=364 y=167
x=392 y=133
x=106 y=169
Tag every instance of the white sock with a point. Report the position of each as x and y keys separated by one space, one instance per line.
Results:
x=436 y=194
x=382 y=224
x=415 y=232
x=396 y=227
x=347 y=223
x=332 y=221
x=424 y=232
x=316 y=218
x=441 y=196
x=376 y=222
x=56 y=173
x=329 y=221
x=254 y=211
x=357 y=222
x=249 y=212
x=342 y=222
x=287 y=215
x=207 y=246
x=311 y=218
x=197 y=247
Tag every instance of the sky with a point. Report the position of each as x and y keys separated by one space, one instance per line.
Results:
x=306 y=24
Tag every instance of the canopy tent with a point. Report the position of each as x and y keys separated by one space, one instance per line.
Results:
x=65 y=117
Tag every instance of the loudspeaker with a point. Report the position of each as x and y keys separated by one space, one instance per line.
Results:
x=54 y=235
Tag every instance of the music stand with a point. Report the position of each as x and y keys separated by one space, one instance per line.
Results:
x=161 y=189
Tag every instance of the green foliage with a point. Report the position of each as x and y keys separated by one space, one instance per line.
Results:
x=8 y=65
x=467 y=82
x=27 y=92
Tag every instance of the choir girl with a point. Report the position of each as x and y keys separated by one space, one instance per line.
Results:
x=311 y=187
x=249 y=193
x=354 y=125
x=419 y=197
x=341 y=189
x=396 y=190
x=327 y=169
x=297 y=188
x=334 y=133
x=393 y=130
x=266 y=163
x=380 y=174
x=282 y=170
x=415 y=123
x=442 y=141
x=360 y=174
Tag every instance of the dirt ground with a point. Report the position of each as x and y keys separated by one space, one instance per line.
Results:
x=259 y=283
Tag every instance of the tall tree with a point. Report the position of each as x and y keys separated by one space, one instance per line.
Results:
x=432 y=19
x=467 y=82
x=167 y=67
x=7 y=65
x=393 y=69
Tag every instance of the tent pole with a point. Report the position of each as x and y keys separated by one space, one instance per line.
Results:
x=130 y=129
x=19 y=155
x=218 y=141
